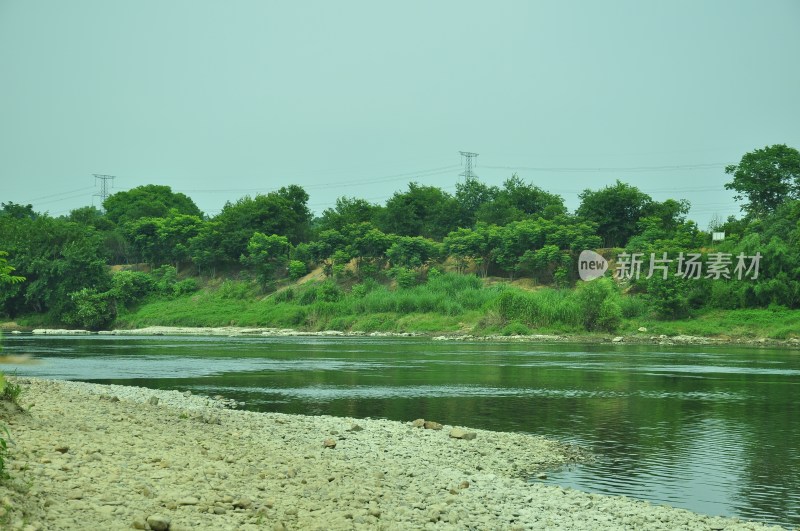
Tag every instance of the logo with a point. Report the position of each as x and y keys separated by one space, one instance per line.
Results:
x=591 y=265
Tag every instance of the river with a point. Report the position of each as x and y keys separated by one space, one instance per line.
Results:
x=712 y=429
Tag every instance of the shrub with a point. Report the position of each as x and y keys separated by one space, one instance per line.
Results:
x=669 y=296
x=515 y=328
x=231 y=289
x=591 y=296
x=633 y=306
x=286 y=295
x=309 y=296
x=185 y=286
x=406 y=278
x=128 y=287
x=297 y=269
x=610 y=316
x=90 y=309
x=329 y=292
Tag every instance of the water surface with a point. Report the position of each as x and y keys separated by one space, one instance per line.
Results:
x=711 y=429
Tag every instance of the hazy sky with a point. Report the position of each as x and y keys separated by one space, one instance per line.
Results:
x=219 y=99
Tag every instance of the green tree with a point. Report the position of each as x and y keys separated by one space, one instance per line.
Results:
x=412 y=252
x=284 y=213
x=148 y=201
x=616 y=211
x=5 y=271
x=268 y=255
x=348 y=211
x=424 y=211
x=471 y=195
x=766 y=178
x=472 y=245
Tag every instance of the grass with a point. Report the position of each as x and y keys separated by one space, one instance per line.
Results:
x=448 y=303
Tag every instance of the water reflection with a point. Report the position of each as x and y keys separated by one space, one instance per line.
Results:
x=714 y=430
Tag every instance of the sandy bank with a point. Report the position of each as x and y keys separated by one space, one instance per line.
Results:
x=110 y=457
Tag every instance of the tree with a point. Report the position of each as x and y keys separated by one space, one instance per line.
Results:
x=471 y=195
x=149 y=201
x=412 y=251
x=348 y=211
x=766 y=178
x=616 y=210
x=5 y=271
x=476 y=245
x=18 y=211
x=268 y=255
x=283 y=212
x=424 y=211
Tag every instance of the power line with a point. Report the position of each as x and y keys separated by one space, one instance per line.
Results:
x=679 y=167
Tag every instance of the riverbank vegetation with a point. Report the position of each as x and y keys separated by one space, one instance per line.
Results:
x=487 y=259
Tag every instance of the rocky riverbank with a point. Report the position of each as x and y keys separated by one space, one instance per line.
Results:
x=113 y=457
x=641 y=337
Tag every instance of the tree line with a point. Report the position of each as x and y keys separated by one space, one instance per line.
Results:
x=514 y=230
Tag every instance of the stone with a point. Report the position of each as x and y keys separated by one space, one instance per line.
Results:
x=329 y=443
x=458 y=433
x=541 y=475
x=188 y=501
x=62 y=449
x=642 y=329
x=618 y=339
x=355 y=427
x=139 y=523
x=242 y=503
x=417 y=423
x=153 y=401
x=158 y=522
x=431 y=425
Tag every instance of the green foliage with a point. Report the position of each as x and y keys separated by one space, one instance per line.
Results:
x=5 y=271
x=328 y=291
x=412 y=252
x=4 y=452
x=130 y=287
x=766 y=178
x=515 y=328
x=297 y=269
x=185 y=286
x=424 y=211
x=268 y=255
x=232 y=289
x=149 y=201
x=405 y=278
x=90 y=310
x=57 y=257
x=599 y=303
x=669 y=297
x=616 y=210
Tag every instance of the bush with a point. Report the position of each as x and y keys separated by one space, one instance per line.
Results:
x=515 y=328
x=592 y=296
x=329 y=292
x=90 y=309
x=129 y=287
x=231 y=289
x=185 y=286
x=309 y=296
x=297 y=269
x=669 y=296
x=164 y=277
x=610 y=315
x=405 y=278
x=286 y=295
x=633 y=306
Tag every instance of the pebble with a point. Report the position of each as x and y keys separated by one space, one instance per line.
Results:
x=125 y=466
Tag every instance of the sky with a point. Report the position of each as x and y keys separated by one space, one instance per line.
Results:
x=357 y=98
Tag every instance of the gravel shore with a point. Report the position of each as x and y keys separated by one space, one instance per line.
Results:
x=88 y=456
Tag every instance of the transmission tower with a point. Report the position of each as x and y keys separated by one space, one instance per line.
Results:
x=467 y=161
x=103 y=193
